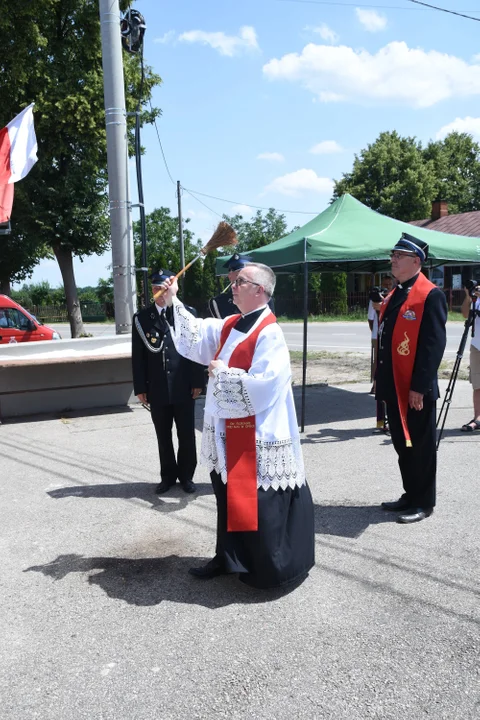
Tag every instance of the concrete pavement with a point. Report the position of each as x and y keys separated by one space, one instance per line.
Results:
x=100 y=619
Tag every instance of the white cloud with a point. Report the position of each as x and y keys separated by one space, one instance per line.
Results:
x=271 y=156
x=371 y=20
x=467 y=124
x=165 y=39
x=325 y=32
x=293 y=183
x=225 y=44
x=396 y=73
x=242 y=209
x=326 y=147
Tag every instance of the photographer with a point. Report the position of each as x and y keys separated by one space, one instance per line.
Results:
x=472 y=295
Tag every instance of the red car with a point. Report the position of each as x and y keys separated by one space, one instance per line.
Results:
x=17 y=325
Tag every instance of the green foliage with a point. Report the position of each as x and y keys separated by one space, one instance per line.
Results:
x=163 y=246
x=209 y=282
x=88 y=294
x=105 y=290
x=51 y=54
x=456 y=162
x=399 y=178
x=393 y=177
x=259 y=231
x=41 y=294
x=335 y=285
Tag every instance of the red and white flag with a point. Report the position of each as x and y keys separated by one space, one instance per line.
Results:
x=18 y=154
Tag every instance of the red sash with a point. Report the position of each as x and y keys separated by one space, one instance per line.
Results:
x=242 y=499
x=404 y=343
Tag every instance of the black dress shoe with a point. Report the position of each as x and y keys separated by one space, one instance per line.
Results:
x=163 y=487
x=401 y=504
x=212 y=569
x=413 y=515
x=188 y=486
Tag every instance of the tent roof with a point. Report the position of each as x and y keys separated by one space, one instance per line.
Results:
x=348 y=236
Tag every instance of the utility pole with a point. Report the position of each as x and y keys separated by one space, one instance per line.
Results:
x=180 y=234
x=123 y=259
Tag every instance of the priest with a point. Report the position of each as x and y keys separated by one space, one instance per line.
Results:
x=250 y=442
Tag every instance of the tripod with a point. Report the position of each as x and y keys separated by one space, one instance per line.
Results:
x=469 y=323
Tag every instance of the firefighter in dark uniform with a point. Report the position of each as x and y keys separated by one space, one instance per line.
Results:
x=170 y=385
x=222 y=305
x=411 y=343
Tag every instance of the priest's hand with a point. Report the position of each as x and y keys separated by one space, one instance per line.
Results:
x=170 y=286
x=415 y=400
x=214 y=365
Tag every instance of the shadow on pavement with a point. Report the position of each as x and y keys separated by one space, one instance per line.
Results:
x=325 y=404
x=336 y=435
x=136 y=490
x=349 y=521
x=149 y=581
x=69 y=414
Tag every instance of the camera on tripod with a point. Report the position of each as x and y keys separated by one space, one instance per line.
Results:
x=473 y=287
x=377 y=294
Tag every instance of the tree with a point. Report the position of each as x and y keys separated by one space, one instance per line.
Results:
x=163 y=245
x=456 y=162
x=51 y=53
x=209 y=283
x=335 y=285
x=393 y=177
x=259 y=231
x=105 y=290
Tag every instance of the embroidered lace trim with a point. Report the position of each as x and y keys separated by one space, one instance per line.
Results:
x=187 y=331
x=230 y=394
x=279 y=462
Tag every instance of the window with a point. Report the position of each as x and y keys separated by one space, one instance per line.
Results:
x=16 y=319
x=437 y=276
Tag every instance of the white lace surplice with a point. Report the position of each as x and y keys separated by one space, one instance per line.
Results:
x=264 y=391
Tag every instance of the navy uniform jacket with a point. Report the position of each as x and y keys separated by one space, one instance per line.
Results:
x=432 y=339
x=222 y=305
x=158 y=370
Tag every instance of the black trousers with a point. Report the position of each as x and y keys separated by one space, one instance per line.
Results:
x=418 y=464
x=183 y=466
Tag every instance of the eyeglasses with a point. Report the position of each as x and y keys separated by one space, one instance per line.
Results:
x=400 y=255
x=239 y=281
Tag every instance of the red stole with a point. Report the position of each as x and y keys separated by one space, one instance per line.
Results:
x=404 y=343
x=242 y=499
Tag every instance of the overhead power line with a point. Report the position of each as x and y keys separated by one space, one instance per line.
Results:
x=441 y=9
x=255 y=207
x=194 y=193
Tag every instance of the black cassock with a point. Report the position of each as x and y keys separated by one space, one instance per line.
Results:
x=418 y=464
x=167 y=379
x=282 y=551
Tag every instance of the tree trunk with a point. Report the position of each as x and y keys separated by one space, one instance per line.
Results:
x=65 y=263
x=5 y=287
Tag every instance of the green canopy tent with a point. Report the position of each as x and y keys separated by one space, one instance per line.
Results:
x=350 y=237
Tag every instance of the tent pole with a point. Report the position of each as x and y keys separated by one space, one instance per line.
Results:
x=305 y=323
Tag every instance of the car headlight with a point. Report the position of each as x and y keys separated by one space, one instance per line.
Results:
x=56 y=335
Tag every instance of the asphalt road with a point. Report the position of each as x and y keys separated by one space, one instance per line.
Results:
x=100 y=619
x=328 y=336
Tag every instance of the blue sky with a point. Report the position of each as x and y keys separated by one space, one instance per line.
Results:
x=265 y=103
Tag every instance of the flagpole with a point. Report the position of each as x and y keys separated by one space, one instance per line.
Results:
x=117 y=154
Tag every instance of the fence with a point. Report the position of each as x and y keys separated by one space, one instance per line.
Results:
x=91 y=312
